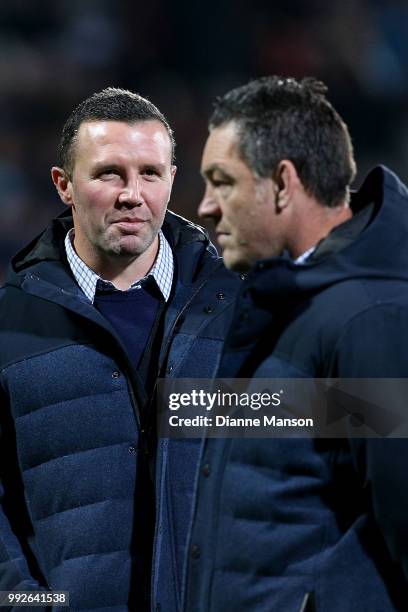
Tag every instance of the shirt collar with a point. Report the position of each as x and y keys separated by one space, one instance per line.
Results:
x=304 y=256
x=162 y=270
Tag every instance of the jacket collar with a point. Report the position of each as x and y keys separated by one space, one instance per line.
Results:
x=371 y=250
x=49 y=247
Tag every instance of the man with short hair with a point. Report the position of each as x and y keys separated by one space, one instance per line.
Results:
x=115 y=293
x=303 y=524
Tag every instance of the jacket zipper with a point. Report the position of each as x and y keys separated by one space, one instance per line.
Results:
x=165 y=352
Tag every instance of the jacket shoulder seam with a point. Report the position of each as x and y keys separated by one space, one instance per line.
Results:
x=12 y=363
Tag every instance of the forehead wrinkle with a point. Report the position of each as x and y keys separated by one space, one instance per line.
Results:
x=221 y=147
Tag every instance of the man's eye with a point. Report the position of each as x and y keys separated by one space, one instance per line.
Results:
x=220 y=183
x=150 y=172
x=109 y=173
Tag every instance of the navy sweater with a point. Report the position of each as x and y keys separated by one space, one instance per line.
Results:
x=133 y=315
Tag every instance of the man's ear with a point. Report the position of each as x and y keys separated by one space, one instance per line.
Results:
x=286 y=181
x=63 y=184
x=173 y=171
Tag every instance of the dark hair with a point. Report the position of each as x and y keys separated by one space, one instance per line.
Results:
x=281 y=118
x=110 y=104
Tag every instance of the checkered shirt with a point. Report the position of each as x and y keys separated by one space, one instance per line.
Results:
x=162 y=270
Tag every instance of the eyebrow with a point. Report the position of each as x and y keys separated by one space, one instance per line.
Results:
x=101 y=165
x=157 y=166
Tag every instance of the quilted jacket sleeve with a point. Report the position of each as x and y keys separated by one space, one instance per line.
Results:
x=375 y=345
x=17 y=562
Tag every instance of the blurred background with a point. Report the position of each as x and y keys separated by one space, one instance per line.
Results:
x=181 y=54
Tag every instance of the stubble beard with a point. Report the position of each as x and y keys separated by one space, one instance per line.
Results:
x=236 y=260
x=125 y=246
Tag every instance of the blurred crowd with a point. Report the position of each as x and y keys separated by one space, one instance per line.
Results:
x=182 y=54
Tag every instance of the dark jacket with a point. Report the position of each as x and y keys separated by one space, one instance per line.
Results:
x=313 y=524
x=73 y=425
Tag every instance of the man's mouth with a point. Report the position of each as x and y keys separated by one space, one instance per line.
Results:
x=221 y=232
x=129 y=220
x=221 y=237
x=129 y=224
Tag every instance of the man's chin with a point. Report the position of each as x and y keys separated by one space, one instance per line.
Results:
x=235 y=262
x=130 y=246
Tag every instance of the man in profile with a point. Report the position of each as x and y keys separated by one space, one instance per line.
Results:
x=115 y=293
x=303 y=524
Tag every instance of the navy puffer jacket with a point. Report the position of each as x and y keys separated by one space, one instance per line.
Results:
x=303 y=524
x=72 y=429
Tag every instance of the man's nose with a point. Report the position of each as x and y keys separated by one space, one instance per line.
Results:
x=208 y=207
x=132 y=195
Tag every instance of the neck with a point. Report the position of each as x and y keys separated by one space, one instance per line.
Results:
x=316 y=223
x=121 y=271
